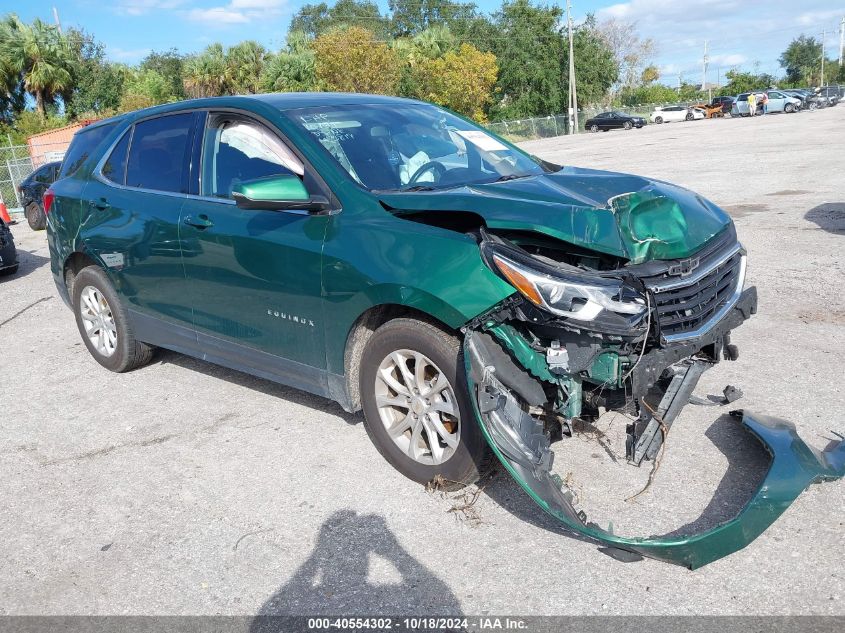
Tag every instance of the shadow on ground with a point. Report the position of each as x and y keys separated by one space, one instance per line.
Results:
x=261 y=385
x=27 y=262
x=829 y=217
x=336 y=578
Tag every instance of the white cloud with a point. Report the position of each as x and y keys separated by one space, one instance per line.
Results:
x=730 y=59
x=217 y=15
x=127 y=55
x=237 y=12
x=141 y=7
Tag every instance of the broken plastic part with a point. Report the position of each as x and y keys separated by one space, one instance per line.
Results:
x=520 y=444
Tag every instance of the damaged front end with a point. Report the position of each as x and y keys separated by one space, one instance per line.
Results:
x=589 y=333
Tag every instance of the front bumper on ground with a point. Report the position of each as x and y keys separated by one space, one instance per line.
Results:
x=520 y=443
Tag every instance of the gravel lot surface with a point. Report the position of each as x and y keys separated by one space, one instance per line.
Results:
x=185 y=488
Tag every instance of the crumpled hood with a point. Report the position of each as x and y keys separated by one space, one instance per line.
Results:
x=619 y=214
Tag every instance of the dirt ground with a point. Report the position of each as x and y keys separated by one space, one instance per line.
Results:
x=185 y=488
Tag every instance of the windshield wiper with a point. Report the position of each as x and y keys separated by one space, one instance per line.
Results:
x=507 y=177
x=418 y=188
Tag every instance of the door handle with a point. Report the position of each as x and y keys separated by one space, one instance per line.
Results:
x=101 y=204
x=200 y=222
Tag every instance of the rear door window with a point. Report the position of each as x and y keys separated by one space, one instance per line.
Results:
x=84 y=142
x=115 y=167
x=160 y=153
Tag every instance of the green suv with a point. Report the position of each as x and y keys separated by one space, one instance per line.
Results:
x=394 y=257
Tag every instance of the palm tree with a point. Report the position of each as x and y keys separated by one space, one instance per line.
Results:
x=208 y=74
x=38 y=54
x=246 y=62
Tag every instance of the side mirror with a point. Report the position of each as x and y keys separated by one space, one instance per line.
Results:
x=278 y=193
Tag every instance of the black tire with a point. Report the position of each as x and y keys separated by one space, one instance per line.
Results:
x=627 y=125
x=36 y=217
x=690 y=116
x=470 y=456
x=11 y=270
x=129 y=353
x=789 y=108
x=658 y=120
x=594 y=128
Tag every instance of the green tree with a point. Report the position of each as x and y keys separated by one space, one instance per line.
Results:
x=246 y=62
x=461 y=80
x=744 y=82
x=208 y=74
x=40 y=56
x=316 y=19
x=293 y=68
x=596 y=68
x=170 y=65
x=647 y=94
x=802 y=60
x=352 y=60
x=411 y=17
x=528 y=50
x=97 y=83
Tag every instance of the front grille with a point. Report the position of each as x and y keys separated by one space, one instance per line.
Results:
x=683 y=308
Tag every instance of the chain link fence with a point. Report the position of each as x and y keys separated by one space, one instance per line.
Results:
x=557 y=124
x=19 y=161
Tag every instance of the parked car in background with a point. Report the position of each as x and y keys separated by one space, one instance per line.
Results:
x=808 y=99
x=668 y=114
x=831 y=94
x=32 y=190
x=8 y=252
x=613 y=121
x=725 y=102
x=778 y=102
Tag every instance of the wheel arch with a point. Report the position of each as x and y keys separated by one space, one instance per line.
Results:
x=74 y=263
x=362 y=330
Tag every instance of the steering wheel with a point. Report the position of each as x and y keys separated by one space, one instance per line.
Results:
x=429 y=166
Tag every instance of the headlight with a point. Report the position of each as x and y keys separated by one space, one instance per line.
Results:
x=574 y=295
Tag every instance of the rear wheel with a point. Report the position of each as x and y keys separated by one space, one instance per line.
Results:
x=416 y=404
x=35 y=216
x=594 y=128
x=103 y=323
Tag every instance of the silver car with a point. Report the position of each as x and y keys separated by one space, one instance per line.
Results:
x=778 y=102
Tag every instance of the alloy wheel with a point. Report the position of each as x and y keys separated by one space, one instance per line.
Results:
x=417 y=405
x=98 y=320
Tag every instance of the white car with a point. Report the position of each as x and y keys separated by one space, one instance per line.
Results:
x=675 y=113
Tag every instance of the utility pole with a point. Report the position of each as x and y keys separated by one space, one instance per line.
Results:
x=841 y=40
x=824 y=35
x=573 y=91
x=705 y=59
x=56 y=18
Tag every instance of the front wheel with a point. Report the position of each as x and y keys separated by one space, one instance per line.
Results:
x=416 y=405
x=690 y=116
x=35 y=216
x=627 y=125
x=104 y=324
x=594 y=128
x=789 y=108
x=658 y=119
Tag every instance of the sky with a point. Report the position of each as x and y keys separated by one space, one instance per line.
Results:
x=749 y=34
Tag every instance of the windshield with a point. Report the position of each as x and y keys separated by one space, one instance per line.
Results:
x=411 y=146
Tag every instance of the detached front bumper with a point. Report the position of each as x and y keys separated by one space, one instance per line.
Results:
x=520 y=443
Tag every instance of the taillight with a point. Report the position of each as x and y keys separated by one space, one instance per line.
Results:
x=49 y=196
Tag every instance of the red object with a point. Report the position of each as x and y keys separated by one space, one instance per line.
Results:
x=49 y=196
x=4 y=214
